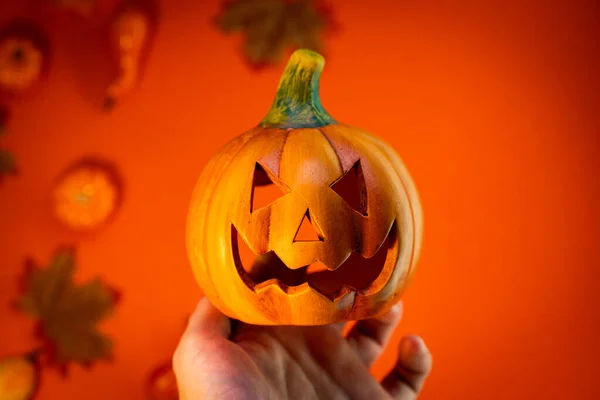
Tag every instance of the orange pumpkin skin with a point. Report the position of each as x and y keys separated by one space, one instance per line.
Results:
x=365 y=253
x=87 y=195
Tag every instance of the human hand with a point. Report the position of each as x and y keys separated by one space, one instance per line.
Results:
x=218 y=358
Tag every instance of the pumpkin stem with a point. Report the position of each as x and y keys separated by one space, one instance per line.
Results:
x=297 y=103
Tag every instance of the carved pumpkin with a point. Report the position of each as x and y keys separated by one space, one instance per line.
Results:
x=23 y=57
x=87 y=195
x=343 y=184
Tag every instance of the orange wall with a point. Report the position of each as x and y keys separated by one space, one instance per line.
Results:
x=491 y=107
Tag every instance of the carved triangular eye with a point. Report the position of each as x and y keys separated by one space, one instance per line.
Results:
x=352 y=188
x=264 y=189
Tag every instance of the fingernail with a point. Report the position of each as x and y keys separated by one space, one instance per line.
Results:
x=410 y=346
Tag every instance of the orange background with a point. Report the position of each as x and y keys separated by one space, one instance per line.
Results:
x=493 y=108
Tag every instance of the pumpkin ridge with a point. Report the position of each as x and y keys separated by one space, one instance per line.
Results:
x=285 y=138
x=227 y=155
x=334 y=149
x=411 y=205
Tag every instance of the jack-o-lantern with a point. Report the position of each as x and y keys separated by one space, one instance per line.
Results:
x=339 y=242
x=87 y=195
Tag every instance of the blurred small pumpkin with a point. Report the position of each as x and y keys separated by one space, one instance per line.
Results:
x=162 y=384
x=23 y=57
x=336 y=238
x=19 y=377
x=87 y=195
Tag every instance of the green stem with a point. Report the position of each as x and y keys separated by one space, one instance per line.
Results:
x=297 y=103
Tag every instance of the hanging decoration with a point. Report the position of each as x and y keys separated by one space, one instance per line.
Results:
x=131 y=34
x=87 y=195
x=272 y=27
x=24 y=54
x=67 y=315
x=162 y=384
x=8 y=165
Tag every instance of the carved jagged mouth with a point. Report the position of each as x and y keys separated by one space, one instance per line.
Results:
x=355 y=274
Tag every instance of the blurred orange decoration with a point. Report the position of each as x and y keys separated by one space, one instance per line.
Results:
x=131 y=32
x=23 y=57
x=19 y=377
x=87 y=195
x=162 y=384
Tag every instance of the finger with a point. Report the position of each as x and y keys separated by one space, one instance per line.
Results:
x=207 y=321
x=369 y=337
x=406 y=379
x=340 y=327
x=205 y=324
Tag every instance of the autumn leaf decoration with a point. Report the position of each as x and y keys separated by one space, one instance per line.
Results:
x=272 y=27
x=67 y=313
x=8 y=165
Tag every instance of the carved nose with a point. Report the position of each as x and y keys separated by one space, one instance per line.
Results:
x=308 y=231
